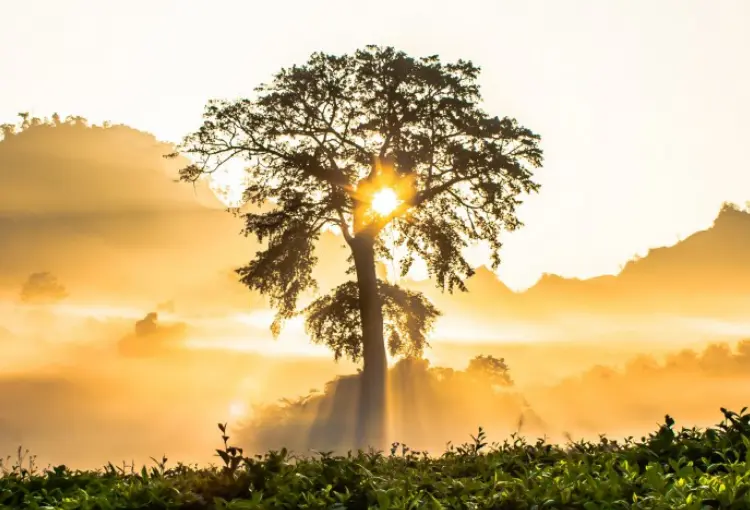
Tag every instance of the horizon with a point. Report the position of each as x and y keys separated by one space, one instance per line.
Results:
x=219 y=191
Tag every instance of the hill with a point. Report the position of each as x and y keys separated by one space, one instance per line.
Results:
x=98 y=206
x=708 y=273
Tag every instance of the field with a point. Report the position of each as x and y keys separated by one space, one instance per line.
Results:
x=669 y=469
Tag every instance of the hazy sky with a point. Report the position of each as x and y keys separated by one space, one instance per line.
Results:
x=641 y=105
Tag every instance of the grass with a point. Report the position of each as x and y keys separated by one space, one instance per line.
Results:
x=669 y=469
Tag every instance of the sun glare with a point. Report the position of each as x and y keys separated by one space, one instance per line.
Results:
x=384 y=201
x=237 y=409
x=228 y=184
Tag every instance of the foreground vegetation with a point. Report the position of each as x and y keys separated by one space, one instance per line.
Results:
x=690 y=469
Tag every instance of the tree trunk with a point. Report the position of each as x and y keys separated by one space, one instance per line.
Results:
x=371 y=413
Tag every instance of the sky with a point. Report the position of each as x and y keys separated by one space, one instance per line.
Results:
x=641 y=106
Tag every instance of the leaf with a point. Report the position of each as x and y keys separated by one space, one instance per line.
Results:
x=224 y=456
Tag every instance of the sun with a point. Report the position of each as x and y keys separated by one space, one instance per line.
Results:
x=229 y=183
x=385 y=201
x=237 y=409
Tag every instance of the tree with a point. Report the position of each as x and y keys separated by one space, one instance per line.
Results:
x=42 y=288
x=490 y=369
x=321 y=142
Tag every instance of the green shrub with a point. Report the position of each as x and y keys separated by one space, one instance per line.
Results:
x=669 y=469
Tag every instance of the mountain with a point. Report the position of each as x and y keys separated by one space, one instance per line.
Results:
x=708 y=273
x=98 y=206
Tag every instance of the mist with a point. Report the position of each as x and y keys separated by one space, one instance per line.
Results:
x=130 y=387
x=125 y=334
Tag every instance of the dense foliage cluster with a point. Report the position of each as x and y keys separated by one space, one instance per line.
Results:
x=321 y=139
x=669 y=469
x=334 y=320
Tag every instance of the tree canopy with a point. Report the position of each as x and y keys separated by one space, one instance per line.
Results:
x=334 y=320
x=321 y=138
x=42 y=288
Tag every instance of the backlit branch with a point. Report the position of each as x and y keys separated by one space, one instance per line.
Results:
x=317 y=137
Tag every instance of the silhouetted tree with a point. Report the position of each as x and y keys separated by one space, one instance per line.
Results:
x=321 y=140
x=151 y=338
x=491 y=369
x=335 y=320
x=42 y=288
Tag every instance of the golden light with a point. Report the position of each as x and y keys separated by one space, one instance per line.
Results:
x=229 y=183
x=385 y=201
x=237 y=409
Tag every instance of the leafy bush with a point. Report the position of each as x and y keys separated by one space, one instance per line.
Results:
x=687 y=469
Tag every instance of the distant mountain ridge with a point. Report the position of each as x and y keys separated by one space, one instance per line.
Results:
x=706 y=273
x=98 y=207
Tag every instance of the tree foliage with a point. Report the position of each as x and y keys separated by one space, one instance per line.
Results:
x=334 y=320
x=28 y=121
x=42 y=288
x=320 y=138
x=491 y=369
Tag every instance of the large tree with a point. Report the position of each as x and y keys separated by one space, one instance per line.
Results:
x=360 y=142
